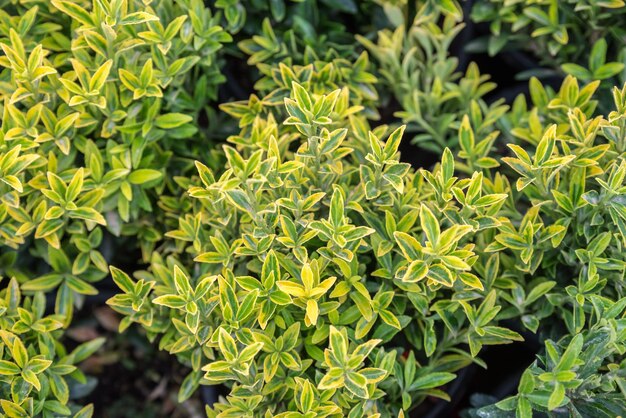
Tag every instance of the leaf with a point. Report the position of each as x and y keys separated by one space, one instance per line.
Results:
x=447 y=164
x=86 y=350
x=608 y=70
x=137 y=18
x=172 y=120
x=336 y=208
x=8 y=369
x=13 y=410
x=471 y=280
x=557 y=397
x=409 y=246
x=393 y=142
x=390 y=319
x=122 y=280
x=338 y=344
x=248 y=353
x=189 y=386
x=227 y=345
x=171 y=301
x=75 y=186
x=13 y=181
x=546 y=146
x=415 y=272
x=80 y=286
x=570 y=356
x=144 y=175
x=538 y=291
x=73 y=10
x=333 y=379
x=240 y=199
x=431 y=380
x=89 y=214
x=358 y=233
x=577 y=71
x=85 y=412
x=356 y=384
x=247 y=305
x=57 y=184
x=302 y=97
x=466 y=135
x=43 y=284
x=291 y=288
x=100 y=76
x=503 y=333
x=429 y=224
x=597 y=57
x=38 y=365
x=181 y=281
x=312 y=311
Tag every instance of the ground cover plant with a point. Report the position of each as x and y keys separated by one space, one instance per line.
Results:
x=312 y=208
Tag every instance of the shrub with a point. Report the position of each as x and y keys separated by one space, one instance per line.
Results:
x=422 y=76
x=279 y=246
x=321 y=246
x=95 y=100
x=573 y=186
x=569 y=36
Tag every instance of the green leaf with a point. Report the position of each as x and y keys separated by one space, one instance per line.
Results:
x=43 y=284
x=20 y=355
x=122 y=280
x=447 y=164
x=431 y=380
x=357 y=384
x=577 y=71
x=86 y=412
x=171 y=301
x=75 y=186
x=336 y=208
x=393 y=142
x=390 y=319
x=227 y=345
x=608 y=70
x=9 y=369
x=598 y=55
x=89 y=214
x=80 y=286
x=333 y=379
x=571 y=354
x=302 y=97
x=415 y=272
x=137 y=18
x=556 y=397
x=181 y=281
x=73 y=10
x=429 y=224
x=450 y=7
x=172 y=120
x=13 y=410
x=144 y=175
x=100 y=76
x=86 y=350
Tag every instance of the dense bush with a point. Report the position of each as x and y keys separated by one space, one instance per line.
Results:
x=235 y=168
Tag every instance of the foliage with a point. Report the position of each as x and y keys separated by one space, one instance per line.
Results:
x=276 y=244
x=570 y=174
x=278 y=253
x=557 y=32
x=415 y=60
x=96 y=97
